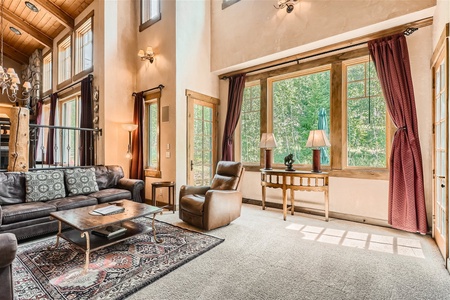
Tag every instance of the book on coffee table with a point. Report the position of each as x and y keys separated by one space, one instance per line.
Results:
x=109 y=210
x=110 y=231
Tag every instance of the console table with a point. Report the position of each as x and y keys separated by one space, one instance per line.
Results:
x=294 y=181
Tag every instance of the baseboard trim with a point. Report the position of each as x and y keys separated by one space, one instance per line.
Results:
x=312 y=211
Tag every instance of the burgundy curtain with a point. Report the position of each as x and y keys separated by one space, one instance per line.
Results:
x=406 y=189
x=86 y=116
x=50 y=158
x=235 y=95
x=137 y=144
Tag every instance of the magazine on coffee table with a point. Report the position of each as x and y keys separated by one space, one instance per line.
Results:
x=110 y=231
x=109 y=210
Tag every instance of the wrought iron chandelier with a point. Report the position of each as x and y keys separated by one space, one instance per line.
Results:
x=9 y=80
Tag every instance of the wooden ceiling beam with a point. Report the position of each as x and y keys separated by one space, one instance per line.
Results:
x=14 y=54
x=24 y=26
x=58 y=13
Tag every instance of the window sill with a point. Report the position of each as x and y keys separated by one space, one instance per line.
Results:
x=152 y=173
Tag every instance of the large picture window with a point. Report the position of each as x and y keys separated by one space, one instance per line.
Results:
x=297 y=101
x=340 y=94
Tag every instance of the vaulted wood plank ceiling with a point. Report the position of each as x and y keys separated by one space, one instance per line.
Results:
x=38 y=29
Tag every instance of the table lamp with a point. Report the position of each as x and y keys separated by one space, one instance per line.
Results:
x=316 y=140
x=267 y=143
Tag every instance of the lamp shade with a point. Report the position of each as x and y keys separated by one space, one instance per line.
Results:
x=317 y=139
x=129 y=127
x=267 y=141
x=141 y=53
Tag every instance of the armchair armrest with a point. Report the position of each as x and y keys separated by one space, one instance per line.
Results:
x=8 y=248
x=135 y=186
x=189 y=190
x=216 y=203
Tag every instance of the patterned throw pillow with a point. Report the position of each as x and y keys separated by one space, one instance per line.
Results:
x=80 y=181
x=44 y=185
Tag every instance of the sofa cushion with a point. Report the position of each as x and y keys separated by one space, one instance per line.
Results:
x=108 y=176
x=72 y=202
x=25 y=211
x=12 y=188
x=108 y=195
x=80 y=181
x=44 y=185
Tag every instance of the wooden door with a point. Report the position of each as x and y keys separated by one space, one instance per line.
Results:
x=440 y=141
x=202 y=138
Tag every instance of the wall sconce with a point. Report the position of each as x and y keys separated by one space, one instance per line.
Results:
x=268 y=142
x=316 y=140
x=289 y=4
x=130 y=128
x=148 y=54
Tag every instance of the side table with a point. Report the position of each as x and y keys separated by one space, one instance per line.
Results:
x=170 y=185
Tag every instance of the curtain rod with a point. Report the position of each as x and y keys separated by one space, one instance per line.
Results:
x=160 y=87
x=90 y=76
x=408 y=31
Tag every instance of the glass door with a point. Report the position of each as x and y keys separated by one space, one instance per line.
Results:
x=440 y=211
x=202 y=146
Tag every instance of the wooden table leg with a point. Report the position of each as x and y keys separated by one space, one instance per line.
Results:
x=154 y=230
x=263 y=197
x=284 y=203
x=85 y=234
x=292 y=202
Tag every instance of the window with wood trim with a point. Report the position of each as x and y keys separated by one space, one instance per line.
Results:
x=297 y=101
x=250 y=124
x=151 y=134
x=47 y=73
x=84 y=47
x=69 y=116
x=332 y=93
x=64 y=59
x=150 y=13
x=366 y=117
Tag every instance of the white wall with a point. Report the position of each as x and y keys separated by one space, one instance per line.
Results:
x=193 y=69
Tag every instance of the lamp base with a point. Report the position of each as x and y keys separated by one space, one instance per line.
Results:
x=316 y=161
x=268 y=159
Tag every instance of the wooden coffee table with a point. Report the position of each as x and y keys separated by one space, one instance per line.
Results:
x=82 y=222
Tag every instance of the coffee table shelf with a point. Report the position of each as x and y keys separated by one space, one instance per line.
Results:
x=98 y=242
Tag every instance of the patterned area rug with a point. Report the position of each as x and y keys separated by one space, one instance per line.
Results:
x=114 y=272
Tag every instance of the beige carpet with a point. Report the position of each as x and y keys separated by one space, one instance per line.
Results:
x=264 y=257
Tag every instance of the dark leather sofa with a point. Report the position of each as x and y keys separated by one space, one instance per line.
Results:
x=8 y=248
x=30 y=219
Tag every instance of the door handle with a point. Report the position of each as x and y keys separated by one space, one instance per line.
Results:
x=192 y=165
x=442 y=185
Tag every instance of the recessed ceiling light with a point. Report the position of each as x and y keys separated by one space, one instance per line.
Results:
x=31 y=6
x=15 y=30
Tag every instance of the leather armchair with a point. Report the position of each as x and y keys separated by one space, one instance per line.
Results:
x=210 y=207
x=8 y=248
